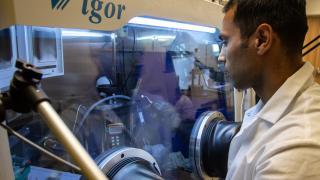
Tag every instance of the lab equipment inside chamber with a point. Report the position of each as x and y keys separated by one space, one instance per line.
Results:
x=139 y=86
x=8 y=54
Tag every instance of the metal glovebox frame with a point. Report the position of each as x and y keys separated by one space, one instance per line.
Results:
x=112 y=15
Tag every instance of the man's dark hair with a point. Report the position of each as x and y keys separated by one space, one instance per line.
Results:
x=287 y=18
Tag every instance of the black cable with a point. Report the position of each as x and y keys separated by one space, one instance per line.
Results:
x=134 y=40
x=22 y=138
x=2 y=110
x=133 y=53
x=123 y=69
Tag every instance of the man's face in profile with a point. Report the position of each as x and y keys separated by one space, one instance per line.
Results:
x=238 y=53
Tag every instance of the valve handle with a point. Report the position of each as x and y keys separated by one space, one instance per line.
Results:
x=29 y=71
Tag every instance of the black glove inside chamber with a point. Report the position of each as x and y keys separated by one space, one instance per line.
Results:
x=209 y=147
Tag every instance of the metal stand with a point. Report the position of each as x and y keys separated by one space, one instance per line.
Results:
x=24 y=95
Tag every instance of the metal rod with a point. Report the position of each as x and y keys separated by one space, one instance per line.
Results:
x=22 y=138
x=88 y=167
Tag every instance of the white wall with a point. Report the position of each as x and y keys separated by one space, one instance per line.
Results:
x=313 y=7
x=6 y=171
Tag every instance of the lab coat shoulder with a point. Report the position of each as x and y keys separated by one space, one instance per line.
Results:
x=293 y=159
x=291 y=147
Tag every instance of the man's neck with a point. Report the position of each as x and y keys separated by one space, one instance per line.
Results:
x=275 y=75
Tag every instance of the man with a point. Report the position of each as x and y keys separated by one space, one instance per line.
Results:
x=280 y=136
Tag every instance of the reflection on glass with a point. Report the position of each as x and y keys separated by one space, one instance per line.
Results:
x=5 y=49
x=139 y=86
x=44 y=45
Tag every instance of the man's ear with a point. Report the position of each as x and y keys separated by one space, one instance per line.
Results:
x=263 y=38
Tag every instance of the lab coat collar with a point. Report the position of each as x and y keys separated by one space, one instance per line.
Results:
x=273 y=110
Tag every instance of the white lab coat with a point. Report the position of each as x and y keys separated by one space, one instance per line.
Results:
x=281 y=139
